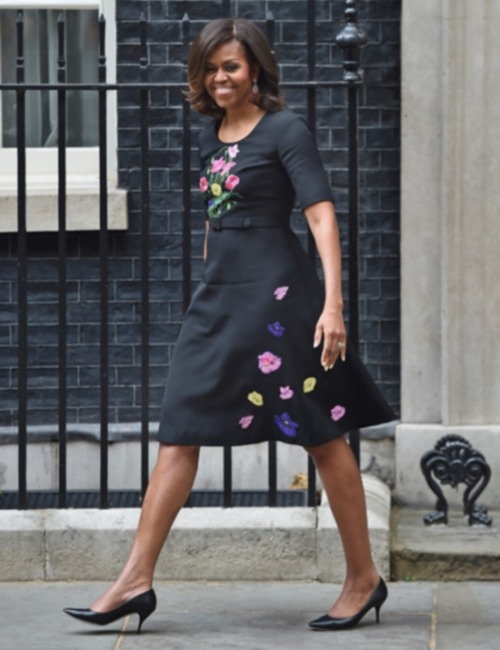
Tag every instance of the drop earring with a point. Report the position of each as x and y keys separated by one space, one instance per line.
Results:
x=255 y=87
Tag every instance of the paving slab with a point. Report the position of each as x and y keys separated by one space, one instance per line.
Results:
x=253 y=616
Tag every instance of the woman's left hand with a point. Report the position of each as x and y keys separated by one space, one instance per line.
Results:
x=331 y=329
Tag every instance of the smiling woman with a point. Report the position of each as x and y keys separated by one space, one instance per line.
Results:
x=262 y=352
x=249 y=47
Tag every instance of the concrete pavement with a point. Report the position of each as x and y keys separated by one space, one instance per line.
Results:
x=254 y=616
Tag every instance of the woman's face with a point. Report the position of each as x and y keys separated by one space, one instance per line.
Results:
x=228 y=76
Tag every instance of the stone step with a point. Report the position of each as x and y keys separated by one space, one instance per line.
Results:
x=204 y=544
x=455 y=551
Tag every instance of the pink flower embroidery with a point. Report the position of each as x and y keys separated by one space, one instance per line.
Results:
x=203 y=184
x=246 y=421
x=286 y=392
x=227 y=167
x=233 y=151
x=268 y=362
x=217 y=165
x=337 y=412
x=231 y=182
x=280 y=293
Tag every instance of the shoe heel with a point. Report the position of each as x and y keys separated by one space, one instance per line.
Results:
x=142 y=618
x=377 y=613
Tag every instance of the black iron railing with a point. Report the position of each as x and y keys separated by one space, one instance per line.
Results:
x=351 y=39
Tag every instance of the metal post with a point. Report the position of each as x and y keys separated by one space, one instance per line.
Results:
x=351 y=39
x=22 y=273
x=186 y=182
x=311 y=246
x=144 y=97
x=103 y=253
x=61 y=151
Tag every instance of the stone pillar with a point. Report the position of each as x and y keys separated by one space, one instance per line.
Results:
x=450 y=235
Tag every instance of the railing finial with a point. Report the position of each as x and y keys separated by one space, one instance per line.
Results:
x=351 y=39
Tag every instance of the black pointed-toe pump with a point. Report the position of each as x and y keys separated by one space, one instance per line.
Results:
x=143 y=605
x=376 y=601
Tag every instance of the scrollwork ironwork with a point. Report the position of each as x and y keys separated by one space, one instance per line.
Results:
x=454 y=461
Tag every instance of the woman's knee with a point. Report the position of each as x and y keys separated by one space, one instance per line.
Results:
x=188 y=452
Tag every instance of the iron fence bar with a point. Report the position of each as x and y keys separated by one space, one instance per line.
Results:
x=145 y=285
x=22 y=271
x=272 y=471
x=228 y=477
x=186 y=183
x=61 y=171
x=272 y=455
x=104 y=269
x=186 y=188
x=351 y=39
x=311 y=246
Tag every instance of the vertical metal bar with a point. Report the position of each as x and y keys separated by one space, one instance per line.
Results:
x=22 y=272
x=353 y=245
x=61 y=151
x=272 y=465
x=186 y=186
x=272 y=456
x=270 y=29
x=145 y=329
x=228 y=477
x=351 y=39
x=311 y=246
x=186 y=183
x=311 y=91
x=104 y=267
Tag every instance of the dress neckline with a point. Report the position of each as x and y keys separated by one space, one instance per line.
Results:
x=233 y=142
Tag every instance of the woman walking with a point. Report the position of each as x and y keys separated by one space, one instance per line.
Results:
x=262 y=353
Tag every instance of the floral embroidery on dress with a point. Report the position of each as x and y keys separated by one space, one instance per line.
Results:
x=280 y=293
x=286 y=425
x=256 y=398
x=337 y=412
x=268 y=362
x=246 y=421
x=218 y=184
x=276 y=329
x=286 y=392
x=309 y=384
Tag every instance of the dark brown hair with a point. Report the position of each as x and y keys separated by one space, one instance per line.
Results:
x=258 y=52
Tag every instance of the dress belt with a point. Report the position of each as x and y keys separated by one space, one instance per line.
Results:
x=242 y=223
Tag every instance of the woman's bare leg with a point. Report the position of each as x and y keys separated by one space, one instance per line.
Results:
x=168 y=490
x=341 y=480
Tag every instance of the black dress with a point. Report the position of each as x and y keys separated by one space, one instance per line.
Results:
x=244 y=369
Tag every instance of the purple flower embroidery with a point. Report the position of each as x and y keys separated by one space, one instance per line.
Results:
x=286 y=425
x=233 y=151
x=276 y=329
x=268 y=362
x=286 y=392
x=246 y=421
x=280 y=293
x=337 y=412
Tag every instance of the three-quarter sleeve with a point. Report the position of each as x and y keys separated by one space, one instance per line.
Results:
x=299 y=156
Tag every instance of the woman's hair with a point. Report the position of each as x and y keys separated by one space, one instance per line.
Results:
x=253 y=41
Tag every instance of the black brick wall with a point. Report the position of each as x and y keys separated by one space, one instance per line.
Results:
x=379 y=244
